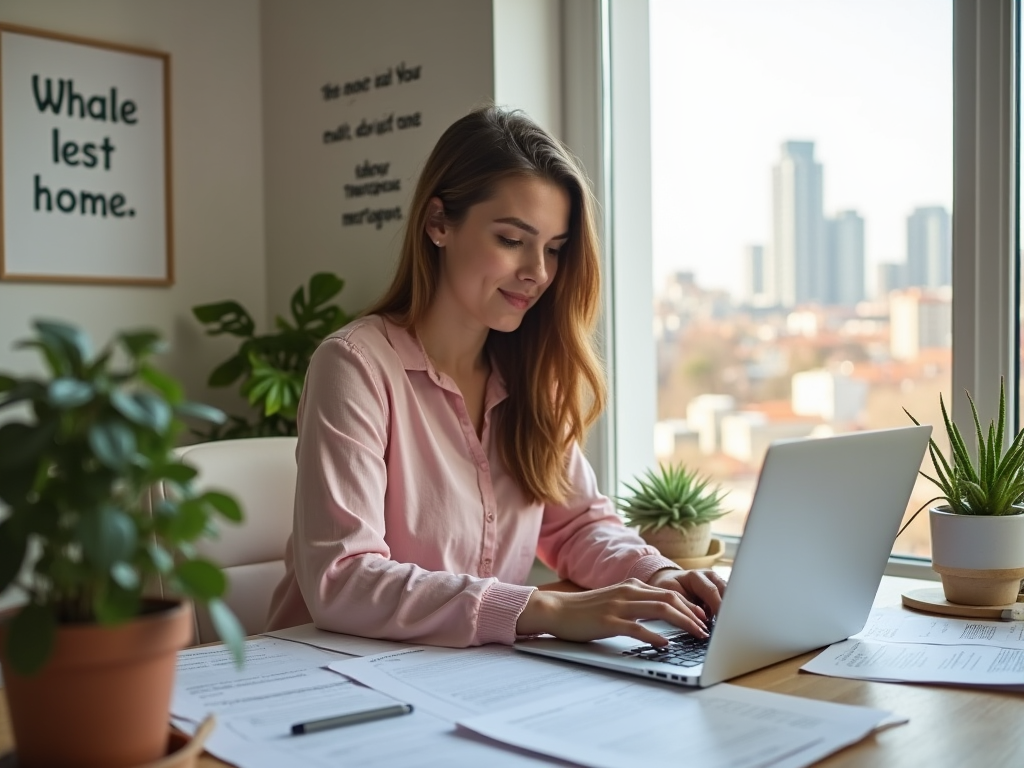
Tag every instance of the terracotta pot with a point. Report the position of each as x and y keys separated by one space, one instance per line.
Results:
x=679 y=544
x=105 y=690
x=979 y=557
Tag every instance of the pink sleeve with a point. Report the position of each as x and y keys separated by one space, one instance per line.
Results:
x=585 y=540
x=342 y=562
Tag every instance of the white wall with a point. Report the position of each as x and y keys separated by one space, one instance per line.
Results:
x=313 y=43
x=633 y=386
x=528 y=59
x=216 y=175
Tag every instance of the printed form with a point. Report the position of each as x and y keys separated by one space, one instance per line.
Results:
x=898 y=625
x=606 y=720
x=350 y=645
x=900 y=645
x=283 y=683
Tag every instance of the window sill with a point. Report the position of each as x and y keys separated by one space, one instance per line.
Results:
x=905 y=567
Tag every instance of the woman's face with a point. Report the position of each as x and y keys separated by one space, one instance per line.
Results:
x=497 y=262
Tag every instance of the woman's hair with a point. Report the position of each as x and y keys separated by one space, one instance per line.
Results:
x=553 y=376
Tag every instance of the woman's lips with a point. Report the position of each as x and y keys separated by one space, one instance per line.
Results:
x=517 y=300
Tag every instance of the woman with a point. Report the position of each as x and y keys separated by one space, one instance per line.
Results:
x=439 y=434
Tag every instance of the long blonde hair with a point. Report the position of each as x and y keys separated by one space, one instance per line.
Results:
x=554 y=378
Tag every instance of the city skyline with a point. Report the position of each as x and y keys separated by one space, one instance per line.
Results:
x=731 y=83
x=819 y=259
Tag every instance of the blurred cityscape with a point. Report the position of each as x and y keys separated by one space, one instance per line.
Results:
x=807 y=348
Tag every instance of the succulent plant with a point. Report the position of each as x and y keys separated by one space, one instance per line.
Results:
x=994 y=483
x=674 y=496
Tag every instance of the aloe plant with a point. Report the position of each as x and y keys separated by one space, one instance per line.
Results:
x=990 y=485
x=674 y=496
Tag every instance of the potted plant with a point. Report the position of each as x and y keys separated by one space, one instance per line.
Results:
x=673 y=509
x=272 y=367
x=88 y=649
x=978 y=533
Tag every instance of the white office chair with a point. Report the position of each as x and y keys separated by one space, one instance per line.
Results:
x=260 y=473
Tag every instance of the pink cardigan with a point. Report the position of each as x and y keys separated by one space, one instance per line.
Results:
x=407 y=526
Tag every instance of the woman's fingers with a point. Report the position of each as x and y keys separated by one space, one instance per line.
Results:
x=640 y=601
x=707 y=587
x=658 y=609
x=687 y=596
x=638 y=632
x=610 y=611
x=703 y=587
x=675 y=597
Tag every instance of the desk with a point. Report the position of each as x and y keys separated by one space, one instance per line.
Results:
x=948 y=726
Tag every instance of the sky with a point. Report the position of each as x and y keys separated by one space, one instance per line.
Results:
x=869 y=81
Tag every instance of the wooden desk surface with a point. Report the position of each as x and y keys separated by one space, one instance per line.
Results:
x=948 y=726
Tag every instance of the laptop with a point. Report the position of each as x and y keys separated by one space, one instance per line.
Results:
x=821 y=526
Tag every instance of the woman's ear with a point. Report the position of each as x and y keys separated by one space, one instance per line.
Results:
x=435 y=227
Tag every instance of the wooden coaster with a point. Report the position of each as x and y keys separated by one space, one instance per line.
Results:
x=715 y=551
x=932 y=600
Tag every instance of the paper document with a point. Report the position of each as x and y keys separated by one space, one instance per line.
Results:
x=456 y=682
x=598 y=718
x=334 y=641
x=921 y=663
x=208 y=681
x=896 y=625
x=284 y=683
x=646 y=723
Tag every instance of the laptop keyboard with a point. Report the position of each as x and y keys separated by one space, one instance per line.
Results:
x=683 y=650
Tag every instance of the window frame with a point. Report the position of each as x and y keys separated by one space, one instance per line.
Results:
x=985 y=211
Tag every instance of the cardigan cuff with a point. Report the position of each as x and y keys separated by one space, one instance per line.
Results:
x=500 y=608
x=645 y=567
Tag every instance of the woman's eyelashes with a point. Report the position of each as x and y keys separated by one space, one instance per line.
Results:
x=509 y=242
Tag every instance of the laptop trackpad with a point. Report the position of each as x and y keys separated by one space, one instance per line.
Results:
x=622 y=652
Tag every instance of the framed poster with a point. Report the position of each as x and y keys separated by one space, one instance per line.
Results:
x=85 y=188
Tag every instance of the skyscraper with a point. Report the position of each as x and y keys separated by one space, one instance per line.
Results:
x=798 y=238
x=844 y=265
x=929 y=251
x=890 y=276
x=754 y=277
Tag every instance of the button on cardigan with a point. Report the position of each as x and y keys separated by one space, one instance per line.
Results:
x=409 y=527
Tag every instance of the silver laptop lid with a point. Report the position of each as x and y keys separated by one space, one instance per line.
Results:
x=820 y=530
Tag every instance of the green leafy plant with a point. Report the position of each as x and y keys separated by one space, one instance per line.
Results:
x=78 y=452
x=992 y=484
x=272 y=367
x=674 y=496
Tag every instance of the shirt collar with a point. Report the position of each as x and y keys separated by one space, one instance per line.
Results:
x=407 y=346
x=414 y=358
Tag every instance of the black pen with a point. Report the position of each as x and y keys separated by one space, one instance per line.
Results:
x=366 y=716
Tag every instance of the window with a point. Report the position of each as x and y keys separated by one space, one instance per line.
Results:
x=719 y=86
x=802 y=182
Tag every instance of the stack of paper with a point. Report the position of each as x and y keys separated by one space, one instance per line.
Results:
x=605 y=720
x=488 y=706
x=898 y=645
x=283 y=683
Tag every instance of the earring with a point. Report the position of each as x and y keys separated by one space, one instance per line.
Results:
x=437 y=243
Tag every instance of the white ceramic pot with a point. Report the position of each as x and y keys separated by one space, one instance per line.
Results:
x=979 y=557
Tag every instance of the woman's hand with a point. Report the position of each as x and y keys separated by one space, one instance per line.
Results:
x=615 y=610
x=702 y=590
